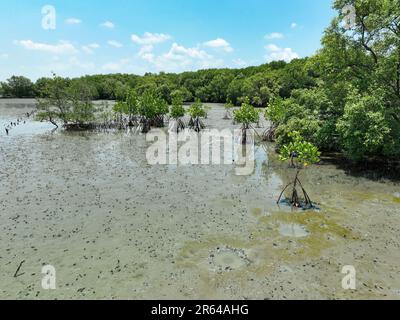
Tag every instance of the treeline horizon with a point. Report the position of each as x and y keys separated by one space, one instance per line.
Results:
x=345 y=98
x=219 y=85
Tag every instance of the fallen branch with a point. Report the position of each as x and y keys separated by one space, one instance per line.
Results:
x=17 y=274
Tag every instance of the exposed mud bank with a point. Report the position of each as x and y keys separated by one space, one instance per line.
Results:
x=115 y=227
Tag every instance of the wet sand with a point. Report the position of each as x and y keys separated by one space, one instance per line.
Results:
x=115 y=227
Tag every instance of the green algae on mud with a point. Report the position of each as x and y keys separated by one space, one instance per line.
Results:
x=320 y=233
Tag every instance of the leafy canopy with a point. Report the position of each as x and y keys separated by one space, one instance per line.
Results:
x=305 y=152
x=177 y=110
x=197 y=110
x=151 y=106
x=246 y=115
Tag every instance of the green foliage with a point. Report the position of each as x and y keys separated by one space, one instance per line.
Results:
x=151 y=106
x=303 y=151
x=120 y=91
x=132 y=103
x=246 y=115
x=276 y=111
x=365 y=59
x=17 y=87
x=344 y=98
x=364 y=128
x=177 y=110
x=306 y=127
x=197 y=110
x=82 y=112
x=70 y=103
x=183 y=94
x=228 y=106
x=56 y=102
x=81 y=107
x=162 y=107
x=355 y=106
x=121 y=108
x=213 y=85
x=147 y=105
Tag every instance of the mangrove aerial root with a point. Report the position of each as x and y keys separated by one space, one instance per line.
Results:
x=177 y=125
x=196 y=124
x=295 y=200
x=180 y=125
x=228 y=115
x=269 y=134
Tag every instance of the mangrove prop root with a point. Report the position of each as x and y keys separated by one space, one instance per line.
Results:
x=308 y=201
x=180 y=126
x=191 y=123
x=280 y=196
x=177 y=126
x=228 y=115
x=269 y=134
x=196 y=124
x=295 y=199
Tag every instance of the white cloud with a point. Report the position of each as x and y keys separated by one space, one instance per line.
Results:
x=178 y=52
x=219 y=44
x=150 y=38
x=145 y=53
x=115 y=44
x=239 y=63
x=115 y=66
x=276 y=53
x=272 y=47
x=179 y=58
x=147 y=43
x=293 y=25
x=89 y=49
x=274 y=35
x=73 y=21
x=108 y=24
x=148 y=56
x=62 y=47
x=75 y=62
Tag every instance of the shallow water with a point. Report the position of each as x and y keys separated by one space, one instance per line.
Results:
x=293 y=230
x=116 y=227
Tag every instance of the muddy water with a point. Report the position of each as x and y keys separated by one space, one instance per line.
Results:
x=115 y=227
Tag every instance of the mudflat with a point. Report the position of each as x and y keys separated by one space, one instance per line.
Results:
x=115 y=227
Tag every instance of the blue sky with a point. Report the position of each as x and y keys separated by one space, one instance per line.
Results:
x=138 y=36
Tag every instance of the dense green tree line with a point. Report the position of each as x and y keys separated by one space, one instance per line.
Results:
x=345 y=98
x=214 y=85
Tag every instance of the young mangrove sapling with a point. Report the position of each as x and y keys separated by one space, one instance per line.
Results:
x=132 y=107
x=246 y=116
x=301 y=154
x=196 y=112
x=151 y=110
x=275 y=114
x=228 y=110
x=177 y=112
